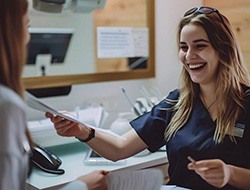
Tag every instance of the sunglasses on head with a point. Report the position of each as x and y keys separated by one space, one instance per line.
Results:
x=204 y=10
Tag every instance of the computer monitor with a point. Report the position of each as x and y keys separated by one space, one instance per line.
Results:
x=53 y=41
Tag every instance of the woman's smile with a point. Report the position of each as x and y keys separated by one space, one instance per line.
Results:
x=196 y=66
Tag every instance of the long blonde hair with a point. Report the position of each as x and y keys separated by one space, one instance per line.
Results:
x=232 y=74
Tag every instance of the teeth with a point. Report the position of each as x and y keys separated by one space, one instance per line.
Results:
x=195 y=66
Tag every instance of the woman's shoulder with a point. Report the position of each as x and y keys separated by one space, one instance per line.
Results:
x=170 y=100
x=9 y=98
x=173 y=95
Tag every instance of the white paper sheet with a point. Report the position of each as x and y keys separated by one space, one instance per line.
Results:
x=114 y=42
x=148 y=179
x=172 y=187
x=36 y=104
x=141 y=43
x=122 y=42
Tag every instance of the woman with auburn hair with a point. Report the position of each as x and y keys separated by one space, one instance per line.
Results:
x=15 y=141
x=14 y=146
x=205 y=121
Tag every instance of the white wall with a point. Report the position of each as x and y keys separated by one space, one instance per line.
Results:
x=168 y=13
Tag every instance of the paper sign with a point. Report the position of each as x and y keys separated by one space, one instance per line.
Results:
x=122 y=42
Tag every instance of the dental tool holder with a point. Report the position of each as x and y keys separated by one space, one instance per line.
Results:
x=142 y=105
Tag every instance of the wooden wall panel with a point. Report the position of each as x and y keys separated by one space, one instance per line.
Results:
x=238 y=13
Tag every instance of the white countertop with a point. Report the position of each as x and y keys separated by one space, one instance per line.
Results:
x=72 y=156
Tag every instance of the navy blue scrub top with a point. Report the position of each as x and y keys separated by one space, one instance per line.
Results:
x=194 y=139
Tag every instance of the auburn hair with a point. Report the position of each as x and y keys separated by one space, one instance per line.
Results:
x=12 y=45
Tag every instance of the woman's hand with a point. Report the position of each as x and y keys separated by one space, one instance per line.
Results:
x=68 y=128
x=95 y=180
x=215 y=171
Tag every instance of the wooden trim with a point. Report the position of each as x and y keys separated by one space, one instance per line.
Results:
x=65 y=80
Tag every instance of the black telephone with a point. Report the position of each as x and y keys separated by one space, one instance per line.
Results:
x=45 y=160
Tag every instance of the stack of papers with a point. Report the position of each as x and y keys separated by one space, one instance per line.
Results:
x=148 y=179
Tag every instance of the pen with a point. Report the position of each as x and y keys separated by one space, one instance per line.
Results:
x=191 y=159
x=195 y=166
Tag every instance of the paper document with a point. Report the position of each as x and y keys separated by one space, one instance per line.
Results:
x=36 y=104
x=148 y=179
x=120 y=42
x=172 y=187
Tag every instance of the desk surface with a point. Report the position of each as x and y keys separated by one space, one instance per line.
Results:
x=72 y=156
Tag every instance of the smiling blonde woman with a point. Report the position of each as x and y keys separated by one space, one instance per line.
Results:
x=206 y=120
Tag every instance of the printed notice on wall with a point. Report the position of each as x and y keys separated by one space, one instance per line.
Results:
x=141 y=43
x=120 y=42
